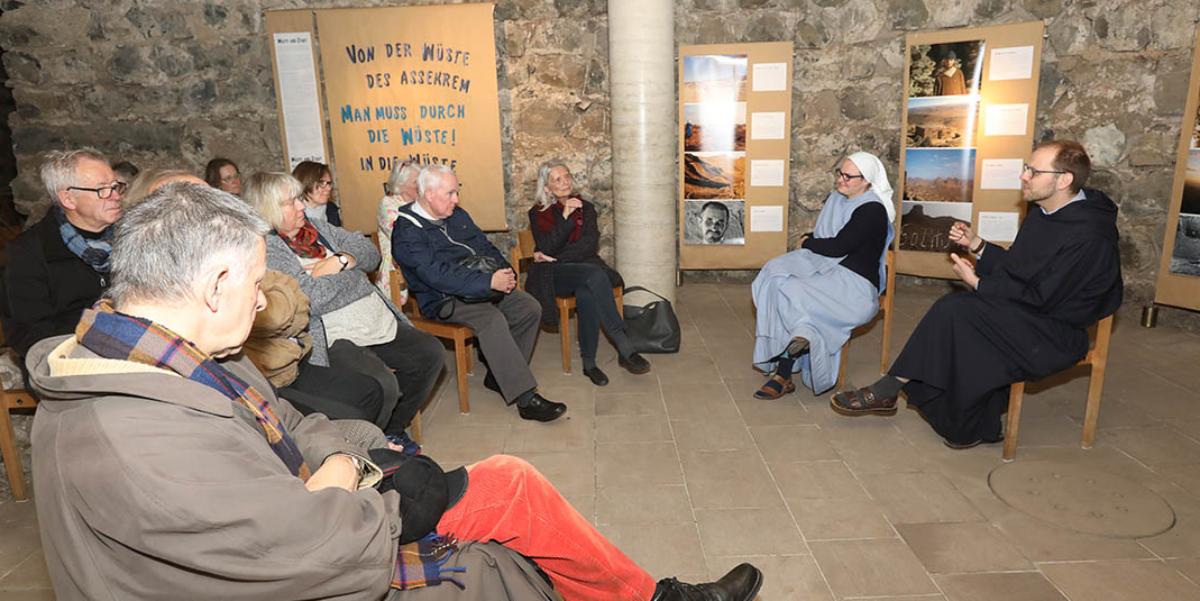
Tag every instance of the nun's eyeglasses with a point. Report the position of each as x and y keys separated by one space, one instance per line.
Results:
x=842 y=175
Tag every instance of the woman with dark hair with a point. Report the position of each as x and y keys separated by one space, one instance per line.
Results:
x=223 y=174
x=317 y=180
x=566 y=262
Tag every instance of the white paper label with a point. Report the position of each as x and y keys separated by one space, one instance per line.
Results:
x=1011 y=63
x=998 y=226
x=766 y=219
x=766 y=126
x=1005 y=119
x=766 y=173
x=769 y=77
x=1001 y=174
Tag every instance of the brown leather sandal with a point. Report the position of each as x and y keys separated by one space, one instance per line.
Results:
x=862 y=401
x=782 y=386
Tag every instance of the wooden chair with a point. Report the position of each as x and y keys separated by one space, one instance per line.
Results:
x=15 y=397
x=459 y=334
x=523 y=251
x=1097 y=360
x=886 y=303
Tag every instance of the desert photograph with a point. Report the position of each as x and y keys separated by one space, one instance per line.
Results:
x=714 y=126
x=939 y=174
x=942 y=122
x=714 y=175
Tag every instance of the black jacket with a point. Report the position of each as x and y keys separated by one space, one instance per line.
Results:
x=46 y=286
x=557 y=244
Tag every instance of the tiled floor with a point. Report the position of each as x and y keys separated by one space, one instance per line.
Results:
x=690 y=475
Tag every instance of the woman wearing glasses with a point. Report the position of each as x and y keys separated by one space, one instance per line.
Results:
x=318 y=192
x=810 y=299
x=353 y=325
x=223 y=174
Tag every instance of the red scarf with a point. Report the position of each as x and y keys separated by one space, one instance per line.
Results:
x=546 y=220
x=307 y=242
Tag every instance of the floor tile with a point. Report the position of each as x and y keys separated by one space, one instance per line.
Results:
x=785 y=444
x=871 y=568
x=785 y=577
x=645 y=545
x=634 y=504
x=632 y=428
x=748 y=532
x=1012 y=586
x=808 y=480
x=729 y=479
x=964 y=547
x=821 y=519
x=642 y=463
x=711 y=435
x=1121 y=581
x=914 y=498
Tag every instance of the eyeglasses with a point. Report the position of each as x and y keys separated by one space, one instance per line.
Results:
x=104 y=192
x=838 y=173
x=231 y=178
x=325 y=183
x=1031 y=172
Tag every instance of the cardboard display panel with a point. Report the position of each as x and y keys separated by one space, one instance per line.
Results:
x=409 y=83
x=734 y=154
x=1178 y=283
x=970 y=100
x=297 y=80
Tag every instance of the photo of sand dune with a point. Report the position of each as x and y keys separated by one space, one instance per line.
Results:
x=714 y=175
x=925 y=226
x=939 y=174
x=1185 y=258
x=942 y=122
x=714 y=126
x=714 y=78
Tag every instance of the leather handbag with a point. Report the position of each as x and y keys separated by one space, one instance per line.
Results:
x=653 y=328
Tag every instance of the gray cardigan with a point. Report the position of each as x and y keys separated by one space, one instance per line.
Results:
x=331 y=292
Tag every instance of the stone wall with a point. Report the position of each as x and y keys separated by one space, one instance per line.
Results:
x=164 y=82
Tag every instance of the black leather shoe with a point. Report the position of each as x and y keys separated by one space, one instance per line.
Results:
x=740 y=584
x=635 y=364
x=599 y=378
x=542 y=409
x=489 y=382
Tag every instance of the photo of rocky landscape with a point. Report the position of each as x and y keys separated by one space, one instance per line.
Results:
x=939 y=174
x=1185 y=258
x=925 y=226
x=714 y=126
x=942 y=122
x=714 y=175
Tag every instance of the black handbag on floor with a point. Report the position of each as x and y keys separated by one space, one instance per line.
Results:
x=653 y=328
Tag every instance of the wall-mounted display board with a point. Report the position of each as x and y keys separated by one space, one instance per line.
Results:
x=301 y=115
x=1179 y=268
x=734 y=153
x=403 y=83
x=967 y=128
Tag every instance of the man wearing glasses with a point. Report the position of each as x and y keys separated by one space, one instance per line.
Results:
x=59 y=267
x=1025 y=315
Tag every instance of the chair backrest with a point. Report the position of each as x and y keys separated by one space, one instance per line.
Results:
x=889 y=262
x=522 y=251
x=397 y=285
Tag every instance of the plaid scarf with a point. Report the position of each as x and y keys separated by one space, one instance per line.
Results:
x=94 y=252
x=423 y=563
x=115 y=335
x=307 y=242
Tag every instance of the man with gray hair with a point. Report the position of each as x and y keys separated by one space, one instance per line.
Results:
x=60 y=265
x=165 y=467
x=457 y=275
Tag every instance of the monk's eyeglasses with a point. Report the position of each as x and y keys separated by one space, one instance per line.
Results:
x=1025 y=168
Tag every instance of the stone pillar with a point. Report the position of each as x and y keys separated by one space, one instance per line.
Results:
x=641 y=41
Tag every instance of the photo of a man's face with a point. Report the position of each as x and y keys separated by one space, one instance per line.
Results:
x=714 y=219
x=717 y=222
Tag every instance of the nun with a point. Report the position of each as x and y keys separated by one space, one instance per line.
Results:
x=809 y=300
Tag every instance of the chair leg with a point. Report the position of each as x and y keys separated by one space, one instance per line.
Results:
x=1016 y=395
x=841 y=379
x=1091 y=415
x=461 y=358
x=470 y=356
x=887 y=335
x=564 y=336
x=10 y=454
x=415 y=427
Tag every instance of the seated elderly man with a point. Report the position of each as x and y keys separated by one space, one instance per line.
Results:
x=59 y=267
x=164 y=466
x=457 y=275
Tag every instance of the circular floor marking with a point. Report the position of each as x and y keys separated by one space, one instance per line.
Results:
x=1082 y=499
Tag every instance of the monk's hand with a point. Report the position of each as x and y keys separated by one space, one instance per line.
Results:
x=337 y=471
x=965 y=271
x=541 y=257
x=962 y=235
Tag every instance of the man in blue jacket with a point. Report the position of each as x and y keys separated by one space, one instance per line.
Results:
x=457 y=275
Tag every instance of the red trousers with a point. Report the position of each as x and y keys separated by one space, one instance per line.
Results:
x=509 y=501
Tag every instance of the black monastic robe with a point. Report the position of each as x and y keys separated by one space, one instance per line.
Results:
x=1027 y=319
